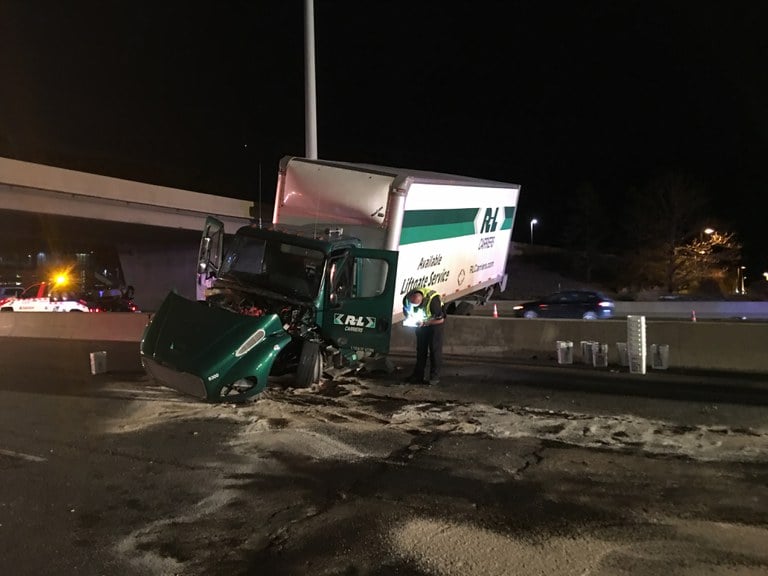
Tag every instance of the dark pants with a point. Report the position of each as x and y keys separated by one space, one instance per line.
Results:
x=429 y=341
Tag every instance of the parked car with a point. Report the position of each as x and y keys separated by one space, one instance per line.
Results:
x=586 y=304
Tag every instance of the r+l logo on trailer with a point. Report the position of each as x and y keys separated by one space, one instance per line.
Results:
x=489 y=221
x=356 y=321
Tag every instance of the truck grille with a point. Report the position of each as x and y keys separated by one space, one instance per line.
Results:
x=182 y=381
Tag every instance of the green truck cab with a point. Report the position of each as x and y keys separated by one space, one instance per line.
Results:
x=282 y=299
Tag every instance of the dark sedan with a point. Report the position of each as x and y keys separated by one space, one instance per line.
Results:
x=586 y=304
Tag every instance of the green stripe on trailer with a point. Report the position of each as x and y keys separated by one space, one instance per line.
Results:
x=436 y=232
x=426 y=225
x=509 y=216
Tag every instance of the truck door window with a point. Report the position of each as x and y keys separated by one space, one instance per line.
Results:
x=372 y=276
x=358 y=277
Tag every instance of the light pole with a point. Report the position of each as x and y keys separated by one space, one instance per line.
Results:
x=533 y=223
x=310 y=86
x=741 y=279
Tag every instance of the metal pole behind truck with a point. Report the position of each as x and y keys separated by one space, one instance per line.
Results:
x=310 y=92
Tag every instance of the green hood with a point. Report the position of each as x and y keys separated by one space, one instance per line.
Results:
x=201 y=341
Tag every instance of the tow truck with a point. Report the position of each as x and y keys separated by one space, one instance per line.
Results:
x=46 y=297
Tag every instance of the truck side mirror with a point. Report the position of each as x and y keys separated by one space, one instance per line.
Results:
x=211 y=246
x=205 y=252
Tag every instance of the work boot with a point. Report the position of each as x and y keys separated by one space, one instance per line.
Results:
x=434 y=380
x=414 y=379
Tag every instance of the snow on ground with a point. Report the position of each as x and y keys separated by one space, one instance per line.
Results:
x=707 y=443
x=310 y=424
x=450 y=549
x=281 y=421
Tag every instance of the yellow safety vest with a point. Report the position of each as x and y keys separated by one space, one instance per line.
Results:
x=428 y=295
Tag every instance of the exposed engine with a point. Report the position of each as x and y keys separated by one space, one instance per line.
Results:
x=296 y=318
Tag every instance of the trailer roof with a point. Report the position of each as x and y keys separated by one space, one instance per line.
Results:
x=403 y=173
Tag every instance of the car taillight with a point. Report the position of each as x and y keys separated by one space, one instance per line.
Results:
x=605 y=304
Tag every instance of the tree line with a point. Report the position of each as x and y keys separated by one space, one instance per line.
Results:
x=664 y=238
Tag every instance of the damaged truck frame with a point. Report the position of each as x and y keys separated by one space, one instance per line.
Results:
x=317 y=291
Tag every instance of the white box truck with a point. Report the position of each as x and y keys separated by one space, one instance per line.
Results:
x=318 y=289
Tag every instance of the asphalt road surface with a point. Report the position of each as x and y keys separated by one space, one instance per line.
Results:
x=499 y=470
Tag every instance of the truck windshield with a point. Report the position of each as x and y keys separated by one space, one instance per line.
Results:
x=280 y=267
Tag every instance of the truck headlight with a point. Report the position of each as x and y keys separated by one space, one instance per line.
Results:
x=252 y=341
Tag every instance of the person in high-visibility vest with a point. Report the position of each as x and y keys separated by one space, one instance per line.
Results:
x=423 y=308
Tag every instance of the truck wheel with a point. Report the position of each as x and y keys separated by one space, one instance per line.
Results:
x=310 y=365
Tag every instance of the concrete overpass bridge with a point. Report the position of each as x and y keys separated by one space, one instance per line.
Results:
x=155 y=230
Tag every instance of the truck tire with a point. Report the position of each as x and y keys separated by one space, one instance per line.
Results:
x=310 y=365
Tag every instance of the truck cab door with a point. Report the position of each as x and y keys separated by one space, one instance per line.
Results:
x=209 y=256
x=360 y=288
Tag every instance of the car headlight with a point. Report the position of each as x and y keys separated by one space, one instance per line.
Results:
x=252 y=341
x=518 y=307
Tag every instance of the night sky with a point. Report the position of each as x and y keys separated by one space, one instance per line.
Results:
x=549 y=95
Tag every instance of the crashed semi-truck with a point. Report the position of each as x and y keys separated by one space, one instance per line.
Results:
x=317 y=291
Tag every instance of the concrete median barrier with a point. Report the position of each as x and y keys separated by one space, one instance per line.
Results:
x=715 y=346
x=107 y=326
x=661 y=310
x=65 y=341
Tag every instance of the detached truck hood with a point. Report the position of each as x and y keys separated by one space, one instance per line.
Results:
x=202 y=350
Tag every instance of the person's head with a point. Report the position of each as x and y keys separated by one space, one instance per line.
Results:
x=416 y=298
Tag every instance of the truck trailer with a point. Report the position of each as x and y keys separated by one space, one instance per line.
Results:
x=318 y=289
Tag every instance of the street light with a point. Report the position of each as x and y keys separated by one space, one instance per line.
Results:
x=709 y=231
x=533 y=223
